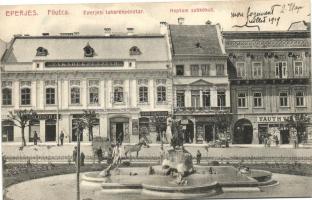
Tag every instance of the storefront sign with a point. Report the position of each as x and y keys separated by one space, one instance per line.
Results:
x=154 y=113
x=272 y=118
x=46 y=116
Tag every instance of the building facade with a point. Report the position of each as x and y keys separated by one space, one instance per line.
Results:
x=123 y=78
x=135 y=83
x=270 y=75
x=200 y=80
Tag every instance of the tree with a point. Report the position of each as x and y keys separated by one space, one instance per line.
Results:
x=223 y=123
x=22 y=119
x=299 y=122
x=90 y=121
x=79 y=126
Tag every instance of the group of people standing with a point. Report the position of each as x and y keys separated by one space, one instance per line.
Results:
x=36 y=137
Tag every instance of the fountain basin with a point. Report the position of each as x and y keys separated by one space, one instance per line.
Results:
x=205 y=181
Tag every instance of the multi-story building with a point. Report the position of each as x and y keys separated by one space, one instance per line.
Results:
x=124 y=78
x=270 y=75
x=200 y=80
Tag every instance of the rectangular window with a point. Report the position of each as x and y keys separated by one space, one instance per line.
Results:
x=298 y=68
x=161 y=94
x=283 y=99
x=221 y=98
x=93 y=95
x=299 y=98
x=257 y=99
x=205 y=69
x=180 y=98
x=194 y=70
x=25 y=96
x=220 y=69
x=75 y=95
x=241 y=70
x=180 y=70
x=6 y=96
x=50 y=96
x=242 y=100
x=195 y=96
x=281 y=69
x=206 y=99
x=118 y=94
x=257 y=69
x=143 y=94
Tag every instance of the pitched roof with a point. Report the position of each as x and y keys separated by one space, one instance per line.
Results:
x=23 y=49
x=195 y=39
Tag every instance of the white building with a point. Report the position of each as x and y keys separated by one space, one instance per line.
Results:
x=123 y=78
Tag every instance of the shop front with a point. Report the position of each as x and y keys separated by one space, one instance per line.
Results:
x=273 y=125
x=119 y=130
x=7 y=131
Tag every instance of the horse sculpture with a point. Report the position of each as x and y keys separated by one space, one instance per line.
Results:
x=134 y=148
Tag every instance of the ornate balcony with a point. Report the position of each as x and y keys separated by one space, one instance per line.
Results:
x=200 y=110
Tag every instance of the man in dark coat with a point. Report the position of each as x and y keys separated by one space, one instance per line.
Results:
x=82 y=158
x=62 y=137
x=35 y=137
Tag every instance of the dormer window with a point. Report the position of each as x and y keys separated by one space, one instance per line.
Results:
x=135 y=51
x=41 y=51
x=88 y=51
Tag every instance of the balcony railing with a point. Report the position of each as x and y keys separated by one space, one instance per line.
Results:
x=271 y=77
x=201 y=110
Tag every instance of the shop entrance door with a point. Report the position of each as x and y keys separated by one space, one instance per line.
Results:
x=243 y=132
x=208 y=132
x=50 y=131
x=119 y=132
x=284 y=136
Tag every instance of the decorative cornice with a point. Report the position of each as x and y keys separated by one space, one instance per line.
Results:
x=267 y=43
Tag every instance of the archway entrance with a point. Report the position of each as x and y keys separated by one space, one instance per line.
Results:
x=243 y=132
x=119 y=130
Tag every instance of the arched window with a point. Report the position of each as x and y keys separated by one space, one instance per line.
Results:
x=161 y=94
x=118 y=94
x=143 y=94
x=50 y=96
x=25 y=96
x=134 y=51
x=6 y=96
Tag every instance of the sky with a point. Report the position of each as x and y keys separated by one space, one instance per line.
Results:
x=255 y=13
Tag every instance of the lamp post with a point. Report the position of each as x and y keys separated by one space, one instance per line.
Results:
x=78 y=163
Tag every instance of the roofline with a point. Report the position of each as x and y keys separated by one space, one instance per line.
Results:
x=266 y=34
x=89 y=36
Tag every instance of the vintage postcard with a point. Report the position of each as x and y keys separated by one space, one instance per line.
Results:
x=170 y=100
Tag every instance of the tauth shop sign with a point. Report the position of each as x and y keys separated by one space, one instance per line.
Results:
x=273 y=118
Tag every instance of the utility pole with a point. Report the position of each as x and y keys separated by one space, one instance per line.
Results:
x=57 y=110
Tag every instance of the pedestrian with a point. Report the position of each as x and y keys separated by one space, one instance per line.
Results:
x=75 y=155
x=82 y=157
x=265 y=141
x=198 y=157
x=62 y=137
x=99 y=153
x=276 y=140
x=35 y=137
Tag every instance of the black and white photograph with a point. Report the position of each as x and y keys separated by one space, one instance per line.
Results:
x=156 y=100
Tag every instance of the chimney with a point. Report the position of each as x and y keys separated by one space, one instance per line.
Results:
x=45 y=34
x=180 y=20
x=163 y=28
x=130 y=31
x=107 y=31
